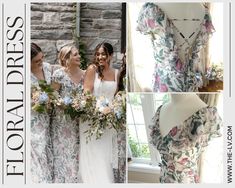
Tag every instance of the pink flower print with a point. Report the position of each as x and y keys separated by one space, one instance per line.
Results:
x=157 y=79
x=163 y=88
x=183 y=161
x=67 y=132
x=190 y=172
x=209 y=27
x=178 y=65
x=171 y=167
x=173 y=131
x=196 y=179
x=151 y=23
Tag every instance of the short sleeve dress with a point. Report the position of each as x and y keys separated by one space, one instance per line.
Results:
x=181 y=148
x=172 y=74
x=65 y=134
x=41 y=146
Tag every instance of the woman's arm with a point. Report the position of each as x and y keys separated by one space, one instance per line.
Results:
x=89 y=79
x=55 y=86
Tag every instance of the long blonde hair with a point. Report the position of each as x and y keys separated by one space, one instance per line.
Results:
x=64 y=55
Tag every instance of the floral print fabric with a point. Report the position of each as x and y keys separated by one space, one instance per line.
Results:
x=41 y=147
x=120 y=170
x=181 y=148
x=171 y=73
x=65 y=134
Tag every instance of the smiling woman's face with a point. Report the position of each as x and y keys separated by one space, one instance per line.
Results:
x=75 y=57
x=102 y=57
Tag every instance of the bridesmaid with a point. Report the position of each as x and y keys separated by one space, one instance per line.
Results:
x=41 y=147
x=65 y=131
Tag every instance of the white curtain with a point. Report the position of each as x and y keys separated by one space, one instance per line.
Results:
x=147 y=101
x=140 y=53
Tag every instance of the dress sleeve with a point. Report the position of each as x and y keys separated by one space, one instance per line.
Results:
x=207 y=126
x=58 y=76
x=154 y=134
x=151 y=19
x=207 y=29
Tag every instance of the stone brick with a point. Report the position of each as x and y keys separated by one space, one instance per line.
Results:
x=87 y=13
x=89 y=33
x=67 y=17
x=36 y=22
x=112 y=34
x=51 y=26
x=51 y=18
x=36 y=15
x=104 y=6
x=111 y=14
x=111 y=24
x=52 y=8
x=51 y=34
x=86 y=25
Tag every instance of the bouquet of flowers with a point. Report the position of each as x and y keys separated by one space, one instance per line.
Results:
x=106 y=115
x=215 y=72
x=42 y=97
x=74 y=104
x=119 y=110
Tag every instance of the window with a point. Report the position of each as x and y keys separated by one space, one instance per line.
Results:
x=140 y=110
x=136 y=126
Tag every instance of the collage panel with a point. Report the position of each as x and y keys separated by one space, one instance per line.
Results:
x=78 y=108
x=175 y=138
x=175 y=47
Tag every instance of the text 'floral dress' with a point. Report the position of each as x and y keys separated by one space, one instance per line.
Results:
x=41 y=147
x=181 y=148
x=65 y=133
x=171 y=73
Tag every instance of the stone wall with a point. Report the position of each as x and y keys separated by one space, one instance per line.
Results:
x=54 y=24
x=101 y=22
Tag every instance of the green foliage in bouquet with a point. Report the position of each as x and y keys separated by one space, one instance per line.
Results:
x=42 y=97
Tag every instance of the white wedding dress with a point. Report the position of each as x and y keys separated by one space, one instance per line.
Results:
x=95 y=164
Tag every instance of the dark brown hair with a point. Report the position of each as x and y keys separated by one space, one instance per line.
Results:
x=35 y=50
x=122 y=74
x=108 y=49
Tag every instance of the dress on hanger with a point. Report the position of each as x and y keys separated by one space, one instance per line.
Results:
x=173 y=73
x=181 y=148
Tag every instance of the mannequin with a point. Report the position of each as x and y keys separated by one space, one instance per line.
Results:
x=180 y=107
x=177 y=12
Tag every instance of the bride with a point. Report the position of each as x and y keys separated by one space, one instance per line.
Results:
x=95 y=164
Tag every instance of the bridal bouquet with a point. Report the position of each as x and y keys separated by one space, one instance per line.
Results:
x=119 y=110
x=42 y=97
x=106 y=115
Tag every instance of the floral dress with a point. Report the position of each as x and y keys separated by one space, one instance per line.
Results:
x=41 y=147
x=181 y=148
x=172 y=73
x=65 y=134
x=119 y=169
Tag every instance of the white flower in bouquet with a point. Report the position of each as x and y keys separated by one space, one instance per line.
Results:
x=67 y=100
x=103 y=105
x=43 y=98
